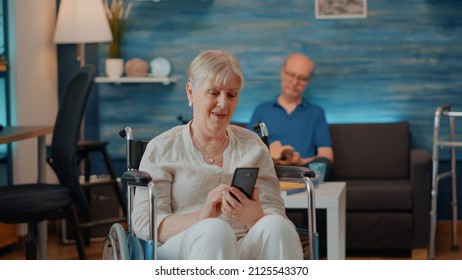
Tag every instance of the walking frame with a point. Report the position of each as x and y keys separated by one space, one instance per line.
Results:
x=442 y=112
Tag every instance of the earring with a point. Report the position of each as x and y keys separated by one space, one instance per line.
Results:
x=190 y=104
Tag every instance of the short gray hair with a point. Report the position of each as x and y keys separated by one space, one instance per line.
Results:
x=215 y=66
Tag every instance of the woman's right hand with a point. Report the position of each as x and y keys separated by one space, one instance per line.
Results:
x=212 y=207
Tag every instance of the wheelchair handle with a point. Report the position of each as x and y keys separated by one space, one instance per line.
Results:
x=126 y=132
x=261 y=128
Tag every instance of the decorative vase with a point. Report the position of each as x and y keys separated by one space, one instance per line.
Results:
x=114 y=67
x=136 y=68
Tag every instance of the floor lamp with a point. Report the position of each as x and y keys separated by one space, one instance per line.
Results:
x=80 y=22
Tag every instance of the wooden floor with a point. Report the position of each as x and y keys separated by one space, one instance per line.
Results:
x=59 y=251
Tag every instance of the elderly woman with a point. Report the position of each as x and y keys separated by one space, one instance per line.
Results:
x=192 y=166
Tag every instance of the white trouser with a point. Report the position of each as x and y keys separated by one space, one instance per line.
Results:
x=273 y=237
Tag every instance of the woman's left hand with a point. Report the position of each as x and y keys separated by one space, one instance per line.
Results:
x=244 y=210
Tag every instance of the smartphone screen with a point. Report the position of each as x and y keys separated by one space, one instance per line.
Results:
x=244 y=179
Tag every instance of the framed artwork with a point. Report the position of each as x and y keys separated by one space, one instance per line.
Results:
x=332 y=9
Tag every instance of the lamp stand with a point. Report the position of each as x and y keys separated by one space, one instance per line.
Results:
x=81 y=58
x=81 y=54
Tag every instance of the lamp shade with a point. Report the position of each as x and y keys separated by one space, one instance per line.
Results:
x=82 y=21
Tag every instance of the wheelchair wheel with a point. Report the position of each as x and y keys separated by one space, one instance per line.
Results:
x=115 y=245
x=109 y=249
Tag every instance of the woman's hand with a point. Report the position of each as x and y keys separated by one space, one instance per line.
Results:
x=244 y=210
x=212 y=207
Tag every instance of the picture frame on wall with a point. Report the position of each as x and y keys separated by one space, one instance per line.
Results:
x=338 y=9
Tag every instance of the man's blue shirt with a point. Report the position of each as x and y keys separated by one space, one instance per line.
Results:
x=305 y=128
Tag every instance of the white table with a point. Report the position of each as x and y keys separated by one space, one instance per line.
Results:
x=332 y=197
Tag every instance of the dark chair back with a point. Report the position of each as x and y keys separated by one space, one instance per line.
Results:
x=67 y=128
x=135 y=148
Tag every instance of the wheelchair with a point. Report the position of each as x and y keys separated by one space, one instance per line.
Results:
x=125 y=245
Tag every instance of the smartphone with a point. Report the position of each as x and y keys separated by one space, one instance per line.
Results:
x=244 y=179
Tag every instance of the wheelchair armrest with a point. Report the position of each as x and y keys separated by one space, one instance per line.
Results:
x=294 y=172
x=135 y=177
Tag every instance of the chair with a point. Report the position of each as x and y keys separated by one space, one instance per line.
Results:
x=84 y=150
x=120 y=245
x=33 y=203
x=97 y=218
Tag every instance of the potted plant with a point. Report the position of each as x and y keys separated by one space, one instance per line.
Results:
x=117 y=14
x=3 y=59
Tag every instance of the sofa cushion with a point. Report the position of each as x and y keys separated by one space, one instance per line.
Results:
x=371 y=151
x=379 y=195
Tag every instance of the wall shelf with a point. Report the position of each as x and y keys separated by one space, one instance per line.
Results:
x=124 y=80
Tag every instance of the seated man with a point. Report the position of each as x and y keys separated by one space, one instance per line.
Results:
x=298 y=130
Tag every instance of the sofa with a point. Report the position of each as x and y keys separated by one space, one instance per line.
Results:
x=388 y=186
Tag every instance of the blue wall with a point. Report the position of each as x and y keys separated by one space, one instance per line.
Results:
x=399 y=63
